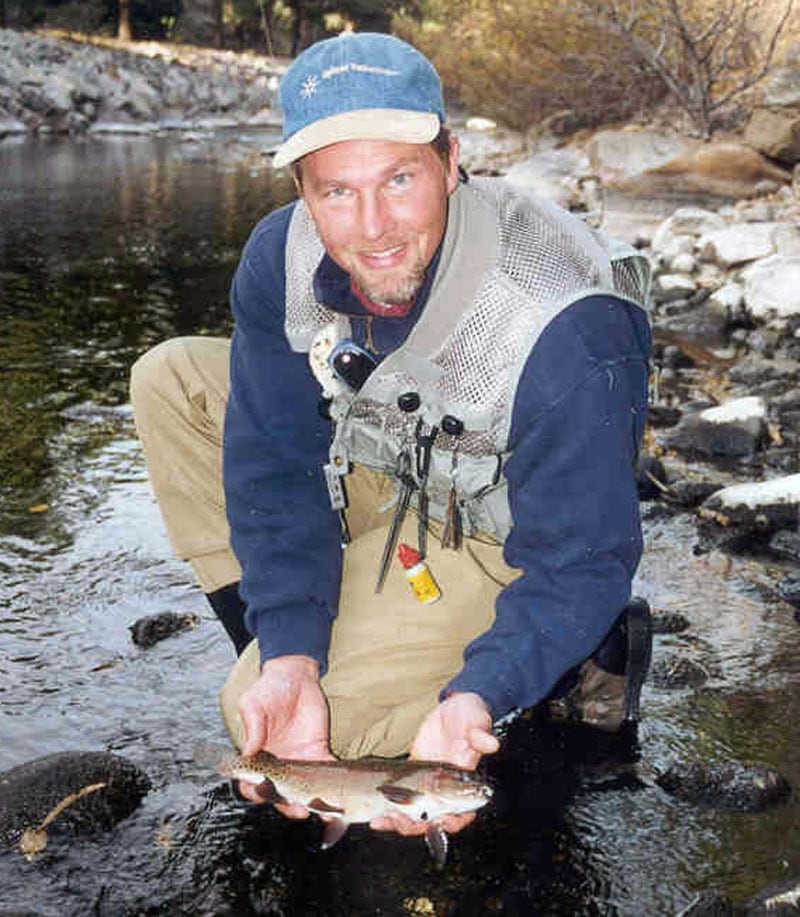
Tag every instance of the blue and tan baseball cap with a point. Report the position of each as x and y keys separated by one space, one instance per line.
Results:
x=358 y=86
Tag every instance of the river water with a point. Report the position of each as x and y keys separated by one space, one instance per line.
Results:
x=108 y=246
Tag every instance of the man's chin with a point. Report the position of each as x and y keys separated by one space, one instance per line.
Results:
x=389 y=294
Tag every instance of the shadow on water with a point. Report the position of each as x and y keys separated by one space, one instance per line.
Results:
x=107 y=247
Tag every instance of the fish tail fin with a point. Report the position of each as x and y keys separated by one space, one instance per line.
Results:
x=437 y=842
x=211 y=754
x=335 y=830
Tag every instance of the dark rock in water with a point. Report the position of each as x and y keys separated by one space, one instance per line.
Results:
x=649 y=468
x=691 y=493
x=709 y=904
x=676 y=671
x=789 y=590
x=668 y=622
x=695 y=436
x=30 y=791
x=730 y=785
x=146 y=632
x=662 y=415
x=786 y=545
x=783 y=898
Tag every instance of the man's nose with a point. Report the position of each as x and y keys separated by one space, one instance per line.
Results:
x=376 y=216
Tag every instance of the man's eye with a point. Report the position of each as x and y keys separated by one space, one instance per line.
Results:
x=400 y=180
x=334 y=193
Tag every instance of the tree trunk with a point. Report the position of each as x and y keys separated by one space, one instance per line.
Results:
x=2 y=14
x=124 y=24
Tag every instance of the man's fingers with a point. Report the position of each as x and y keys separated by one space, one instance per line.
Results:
x=291 y=810
x=483 y=742
x=255 y=732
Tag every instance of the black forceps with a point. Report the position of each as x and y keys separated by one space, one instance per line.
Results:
x=422 y=449
x=408 y=486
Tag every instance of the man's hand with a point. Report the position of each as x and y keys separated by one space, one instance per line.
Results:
x=458 y=731
x=285 y=713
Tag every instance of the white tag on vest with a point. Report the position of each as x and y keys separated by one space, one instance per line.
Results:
x=333 y=479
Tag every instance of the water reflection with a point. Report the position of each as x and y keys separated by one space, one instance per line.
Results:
x=107 y=247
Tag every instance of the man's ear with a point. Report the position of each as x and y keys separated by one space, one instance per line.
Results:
x=452 y=164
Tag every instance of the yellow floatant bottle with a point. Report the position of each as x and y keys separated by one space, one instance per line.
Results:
x=418 y=575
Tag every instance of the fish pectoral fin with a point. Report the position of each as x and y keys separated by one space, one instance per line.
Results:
x=437 y=842
x=334 y=831
x=399 y=795
x=269 y=792
x=323 y=808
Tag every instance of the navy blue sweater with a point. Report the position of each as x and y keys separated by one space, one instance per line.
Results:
x=577 y=421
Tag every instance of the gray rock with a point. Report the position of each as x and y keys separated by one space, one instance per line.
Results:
x=732 y=430
x=772 y=286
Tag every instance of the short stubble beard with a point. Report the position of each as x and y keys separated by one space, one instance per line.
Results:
x=404 y=290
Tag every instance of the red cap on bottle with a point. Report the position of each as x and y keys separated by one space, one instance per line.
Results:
x=408 y=556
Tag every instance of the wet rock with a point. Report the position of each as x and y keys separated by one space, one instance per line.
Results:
x=649 y=467
x=689 y=494
x=757 y=370
x=705 y=324
x=783 y=898
x=709 y=904
x=668 y=622
x=674 y=671
x=662 y=415
x=729 y=785
x=148 y=631
x=774 y=503
x=730 y=430
x=789 y=590
x=30 y=791
x=786 y=545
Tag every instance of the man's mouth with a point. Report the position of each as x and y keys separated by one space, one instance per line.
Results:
x=386 y=257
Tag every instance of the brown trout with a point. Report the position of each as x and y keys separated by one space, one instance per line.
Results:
x=347 y=792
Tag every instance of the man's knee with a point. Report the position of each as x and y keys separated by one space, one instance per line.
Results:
x=150 y=370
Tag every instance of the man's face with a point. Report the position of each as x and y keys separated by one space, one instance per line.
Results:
x=380 y=208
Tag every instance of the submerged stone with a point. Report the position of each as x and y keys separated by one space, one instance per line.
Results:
x=729 y=785
x=148 y=631
x=32 y=791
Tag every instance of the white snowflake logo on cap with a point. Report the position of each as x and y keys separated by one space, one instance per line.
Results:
x=309 y=86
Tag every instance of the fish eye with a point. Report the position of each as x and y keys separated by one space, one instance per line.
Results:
x=423 y=816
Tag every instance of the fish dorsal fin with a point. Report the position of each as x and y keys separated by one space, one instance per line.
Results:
x=324 y=808
x=399 y=795
x=437 y=843
x=334 y=831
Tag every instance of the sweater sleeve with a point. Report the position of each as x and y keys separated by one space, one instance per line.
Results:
x=283 y=531
x=577 y=421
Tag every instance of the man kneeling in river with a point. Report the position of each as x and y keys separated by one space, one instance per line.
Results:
x=418 y=358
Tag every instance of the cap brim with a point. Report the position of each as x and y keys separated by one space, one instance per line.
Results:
x=395 y=124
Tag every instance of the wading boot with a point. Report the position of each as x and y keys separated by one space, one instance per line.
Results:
x=230 y=609
x=604 y=690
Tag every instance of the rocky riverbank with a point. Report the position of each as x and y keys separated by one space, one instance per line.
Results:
x=54 y=84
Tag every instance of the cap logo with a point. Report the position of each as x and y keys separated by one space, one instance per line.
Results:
x=309 y=86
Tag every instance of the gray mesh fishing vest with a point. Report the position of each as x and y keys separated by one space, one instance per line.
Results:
x=509 y=264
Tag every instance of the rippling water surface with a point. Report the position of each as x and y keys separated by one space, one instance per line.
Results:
x=107 y=247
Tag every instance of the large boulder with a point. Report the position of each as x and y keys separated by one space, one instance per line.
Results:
x=648 y=162
x=775 y=133
x=734 y=429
